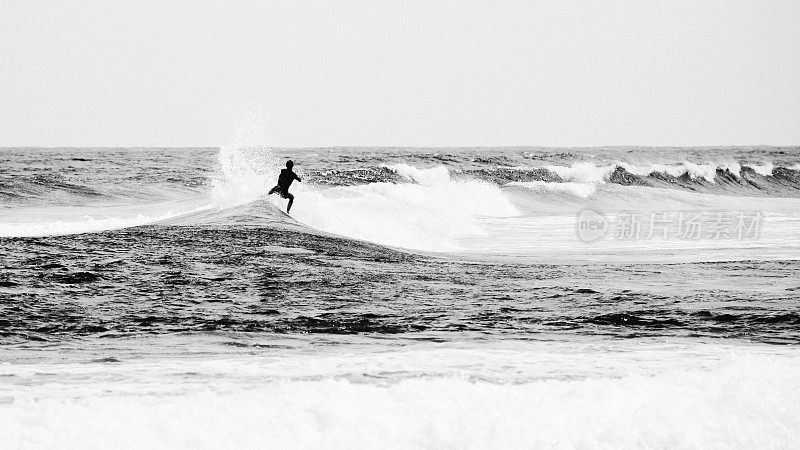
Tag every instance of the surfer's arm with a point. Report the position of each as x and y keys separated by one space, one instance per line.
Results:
x=297 y=178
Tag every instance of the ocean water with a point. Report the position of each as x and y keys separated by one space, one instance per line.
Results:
x=416 y=298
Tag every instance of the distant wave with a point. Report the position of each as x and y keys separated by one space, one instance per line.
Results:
x=728 y=178
x=732 y=178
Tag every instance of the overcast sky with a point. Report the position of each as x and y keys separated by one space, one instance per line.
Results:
x=412 y=73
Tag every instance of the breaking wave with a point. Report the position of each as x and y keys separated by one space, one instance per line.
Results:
x=403 y=201
x=755 y=180
x=429 y=212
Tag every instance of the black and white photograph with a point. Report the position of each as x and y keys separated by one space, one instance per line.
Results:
x=400 y=224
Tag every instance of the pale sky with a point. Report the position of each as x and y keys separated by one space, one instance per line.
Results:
x=411 y=73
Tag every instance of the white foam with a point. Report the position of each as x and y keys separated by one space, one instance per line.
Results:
x=585 y=172
x=581 y=190
x=427 y=215
x=705 y=171
x=763 y=169
x=733 y=167
x=704 y=396
x=645 y=170
x=438 y=175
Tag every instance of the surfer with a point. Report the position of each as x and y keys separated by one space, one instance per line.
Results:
x=284 y=181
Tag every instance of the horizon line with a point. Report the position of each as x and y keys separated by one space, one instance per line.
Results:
x=134 y=147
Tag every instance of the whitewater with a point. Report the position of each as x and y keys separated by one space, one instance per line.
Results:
x=619 y=297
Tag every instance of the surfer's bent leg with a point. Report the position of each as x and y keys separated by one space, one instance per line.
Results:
x=273 y=190
x=291 y=200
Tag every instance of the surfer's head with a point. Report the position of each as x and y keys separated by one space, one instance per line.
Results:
x=289 y=164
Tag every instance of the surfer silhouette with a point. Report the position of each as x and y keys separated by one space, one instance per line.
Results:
x=284 y=181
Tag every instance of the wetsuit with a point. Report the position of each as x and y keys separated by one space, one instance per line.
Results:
x=285 y=180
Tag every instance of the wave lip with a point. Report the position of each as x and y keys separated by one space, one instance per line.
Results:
x=42 y=226
x=430 y=212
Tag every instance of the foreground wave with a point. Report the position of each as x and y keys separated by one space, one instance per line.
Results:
x=515 y=395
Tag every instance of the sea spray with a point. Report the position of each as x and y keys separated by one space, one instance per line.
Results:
x=246 y=167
